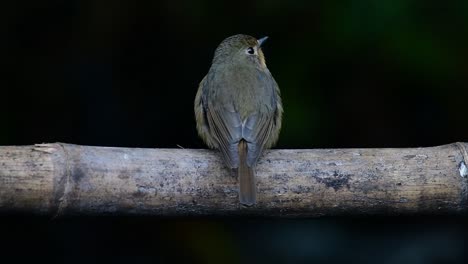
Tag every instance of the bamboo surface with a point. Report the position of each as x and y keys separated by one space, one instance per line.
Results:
x=63 y=179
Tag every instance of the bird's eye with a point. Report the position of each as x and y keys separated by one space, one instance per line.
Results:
x=251 y=51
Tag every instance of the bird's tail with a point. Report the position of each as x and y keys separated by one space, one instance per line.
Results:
x=247 y=190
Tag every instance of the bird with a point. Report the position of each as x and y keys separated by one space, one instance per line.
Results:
x=238 y=108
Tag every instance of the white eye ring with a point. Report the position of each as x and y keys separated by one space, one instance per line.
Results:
x=251 y=51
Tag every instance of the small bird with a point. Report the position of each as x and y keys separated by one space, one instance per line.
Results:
x=238 y=108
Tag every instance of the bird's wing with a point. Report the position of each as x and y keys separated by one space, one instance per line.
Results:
x=219 y=125
x=200 y=106
x=226 y=127
x=256 y=131
x=261 y=129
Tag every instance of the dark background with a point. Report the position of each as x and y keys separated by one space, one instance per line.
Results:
x=365 y=73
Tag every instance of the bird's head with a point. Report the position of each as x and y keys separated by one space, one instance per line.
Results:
x=241 y=49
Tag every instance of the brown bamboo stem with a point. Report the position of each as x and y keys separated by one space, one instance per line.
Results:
x=61 y=179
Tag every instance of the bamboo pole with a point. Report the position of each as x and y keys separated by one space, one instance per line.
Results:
x=64 y=179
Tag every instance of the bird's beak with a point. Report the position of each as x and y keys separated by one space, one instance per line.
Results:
x=260 y=41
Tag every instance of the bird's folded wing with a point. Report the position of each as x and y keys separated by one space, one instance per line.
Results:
x=226 y=127
x=256 y=131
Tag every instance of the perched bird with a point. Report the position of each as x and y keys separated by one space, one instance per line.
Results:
x=238 y=108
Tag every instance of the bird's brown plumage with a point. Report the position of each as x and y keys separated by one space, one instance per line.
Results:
x=238 y=108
